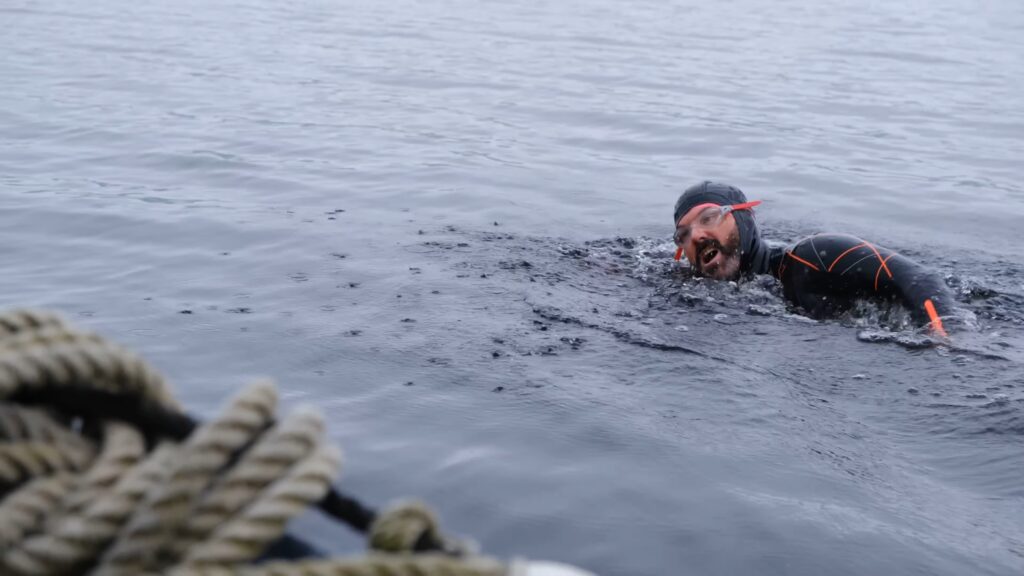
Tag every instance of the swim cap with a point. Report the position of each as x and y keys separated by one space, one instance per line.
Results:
x=753 y=252
x=707 y=192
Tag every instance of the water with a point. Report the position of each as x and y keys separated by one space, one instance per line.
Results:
x=446 y=225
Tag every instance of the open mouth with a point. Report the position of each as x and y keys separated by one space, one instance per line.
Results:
x=708 y=254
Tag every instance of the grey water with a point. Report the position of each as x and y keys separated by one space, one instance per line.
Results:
x=446 y=224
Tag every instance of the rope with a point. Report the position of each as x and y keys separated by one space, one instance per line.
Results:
x=246 y=536
x=141 y=545
x=21 y=423
x=123 y=448
x=372 y=565
x=278 y=450
x=22 y=461
x=405 y=527
x=78 y=539
x=21 y=320
x=102 y=473
x=54 y=357
x=24 y=511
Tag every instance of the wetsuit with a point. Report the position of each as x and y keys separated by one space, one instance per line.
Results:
x=827 y=273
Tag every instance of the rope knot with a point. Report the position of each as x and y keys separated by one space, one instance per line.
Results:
x=411 y=527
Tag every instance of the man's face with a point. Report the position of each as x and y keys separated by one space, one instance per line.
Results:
x=714 y=250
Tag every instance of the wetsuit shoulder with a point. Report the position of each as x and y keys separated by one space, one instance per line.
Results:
x=824 y=273
x=819 y=253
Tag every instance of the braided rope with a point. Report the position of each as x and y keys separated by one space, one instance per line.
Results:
x=142 y=544
x=56 y=357
x=277 y=451
x=123 y=448
x=77 y=540
x=244 y=537
x=22 y=423
x=21 y=320
x=400 y=527
x=46 y=335
x=207 y=507
x=25 y=511
x=22 y=461
x=371 y=565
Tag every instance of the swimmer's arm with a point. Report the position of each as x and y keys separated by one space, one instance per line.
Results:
x=922 y=291
x=851 y=265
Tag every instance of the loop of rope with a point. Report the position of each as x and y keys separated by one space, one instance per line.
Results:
x=243 y=538
x=102 y=473
x=404 y=527
x=142 y=544
x=78 y=539
x=278 y=450
x=55 y=357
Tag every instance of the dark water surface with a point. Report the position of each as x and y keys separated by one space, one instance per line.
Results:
x=446 y=224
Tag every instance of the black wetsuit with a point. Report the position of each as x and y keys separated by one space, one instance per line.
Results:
x=827 y=273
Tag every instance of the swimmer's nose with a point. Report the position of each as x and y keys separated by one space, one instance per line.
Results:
x=698 y=236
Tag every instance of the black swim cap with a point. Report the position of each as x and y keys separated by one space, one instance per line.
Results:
x=753 y=253
x=707 y=192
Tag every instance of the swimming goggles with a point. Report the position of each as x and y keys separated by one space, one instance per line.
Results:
x=708 y=218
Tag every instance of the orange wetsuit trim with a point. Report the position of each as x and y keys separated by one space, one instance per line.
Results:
x=802 y=261
x=936 y=321
x=879 y=273
x=836 y=261
x=880 y=259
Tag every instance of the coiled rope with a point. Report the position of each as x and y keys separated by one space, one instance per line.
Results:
x=102 y=473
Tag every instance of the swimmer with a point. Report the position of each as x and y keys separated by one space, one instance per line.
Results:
x=822 y=274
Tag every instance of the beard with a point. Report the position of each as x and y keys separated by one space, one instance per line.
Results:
x=717 y=260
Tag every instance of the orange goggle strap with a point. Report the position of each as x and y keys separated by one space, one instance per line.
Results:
x=746 y=205
x=743 y=206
